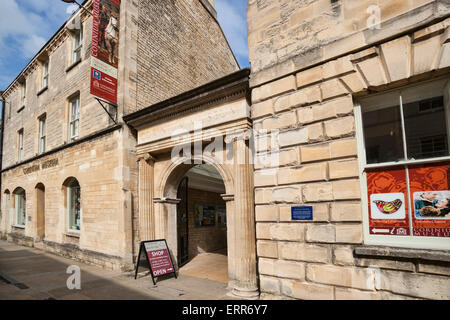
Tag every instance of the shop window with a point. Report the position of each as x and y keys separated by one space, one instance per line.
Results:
x=73 y=206
x=403 y=150
x=20 y=207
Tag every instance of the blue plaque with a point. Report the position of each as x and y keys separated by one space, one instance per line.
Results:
x=302 y=213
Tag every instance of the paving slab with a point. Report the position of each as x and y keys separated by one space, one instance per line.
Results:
x=32 y=274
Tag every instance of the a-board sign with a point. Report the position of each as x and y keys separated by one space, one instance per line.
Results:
x=158 y=258
x=302 y=213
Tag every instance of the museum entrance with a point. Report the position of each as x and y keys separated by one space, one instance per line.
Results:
x=201 y=224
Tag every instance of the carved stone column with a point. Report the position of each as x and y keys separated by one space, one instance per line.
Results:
x=244 y=221
x=146 y=210
x=231 y=235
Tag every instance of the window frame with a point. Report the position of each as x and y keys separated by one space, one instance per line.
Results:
x=411 y=241
x=20 y=145
x=69 y=213
x=45 y=74
x=17 y=197
x=42 y=134
x=23 y=98
x=76 y=120
x=77 y=45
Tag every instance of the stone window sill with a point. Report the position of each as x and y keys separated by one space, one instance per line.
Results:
x=72 y=235
x=42 y=91
x=403 y=253
x=73 y=65
x=18 y=226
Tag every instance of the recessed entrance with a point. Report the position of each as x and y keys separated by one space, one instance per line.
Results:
x=201 y=224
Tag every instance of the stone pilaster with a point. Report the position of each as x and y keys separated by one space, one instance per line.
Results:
x=244 y=221
x=146 y=209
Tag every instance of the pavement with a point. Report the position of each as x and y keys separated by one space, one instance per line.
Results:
x=33 y=274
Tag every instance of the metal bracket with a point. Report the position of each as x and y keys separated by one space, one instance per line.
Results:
x=114 y=116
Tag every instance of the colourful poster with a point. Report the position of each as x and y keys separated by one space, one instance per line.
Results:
x=104 y=52
x=204 y=215
x=429 y=189
x=388 y=205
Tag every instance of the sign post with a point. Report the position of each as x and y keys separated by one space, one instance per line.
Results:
x=158 y=258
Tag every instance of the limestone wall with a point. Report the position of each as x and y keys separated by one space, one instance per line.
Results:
x=288 y=35
x=104 y=229
x=313 y=112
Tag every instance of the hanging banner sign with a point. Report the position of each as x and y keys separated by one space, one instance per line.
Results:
x=158 y=257
x=388 y=205
x=104 y=50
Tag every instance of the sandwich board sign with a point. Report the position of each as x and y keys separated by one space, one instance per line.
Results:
x=158 y=258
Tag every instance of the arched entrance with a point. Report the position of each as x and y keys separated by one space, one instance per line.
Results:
x=40 y=211
x=160 y=178
x=201 y=225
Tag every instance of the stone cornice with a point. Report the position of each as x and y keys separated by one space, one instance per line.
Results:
x=228 y=88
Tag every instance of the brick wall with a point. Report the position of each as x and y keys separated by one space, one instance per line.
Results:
x=180 y=47
x=208 y=238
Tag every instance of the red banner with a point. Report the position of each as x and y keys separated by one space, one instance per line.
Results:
x=104 y=50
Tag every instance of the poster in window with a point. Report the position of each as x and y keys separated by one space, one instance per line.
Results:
x=388 y=208
x=204 y=215
x=221 y=216
x=430 y=195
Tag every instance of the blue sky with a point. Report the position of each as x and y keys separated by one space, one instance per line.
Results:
x=26 y=25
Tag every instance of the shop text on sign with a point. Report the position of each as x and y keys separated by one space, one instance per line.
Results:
x=158 y=258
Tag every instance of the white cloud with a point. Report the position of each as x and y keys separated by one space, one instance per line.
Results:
x=71 y=8
x=32 y=44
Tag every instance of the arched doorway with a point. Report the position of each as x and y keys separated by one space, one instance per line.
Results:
x=40 y=211
x=6 y=212
x=159 y=203
x=201 y=224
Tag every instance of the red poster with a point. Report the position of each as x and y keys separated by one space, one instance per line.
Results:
x=104 y=52
x=388 y=205
x=159 y=258
x=429 y=189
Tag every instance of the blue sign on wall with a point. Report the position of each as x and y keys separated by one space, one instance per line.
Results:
x=302 y=213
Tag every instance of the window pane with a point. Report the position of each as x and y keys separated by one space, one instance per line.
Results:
x=426 y=129
x=74 y=208
x=383 y=135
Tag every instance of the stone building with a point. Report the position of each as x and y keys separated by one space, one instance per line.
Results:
x=321 y=173
x=354 y=96
x=69 y=172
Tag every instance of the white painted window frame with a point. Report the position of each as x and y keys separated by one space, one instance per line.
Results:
x=20 y=144
x=386 y=240
x=69 y=208
x=74 y=119
x=23 y=98
x=77 y=45
x=45 y=68
x=42 y=134
x=17 y=198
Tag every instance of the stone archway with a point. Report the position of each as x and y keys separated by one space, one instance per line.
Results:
x=158 y=208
